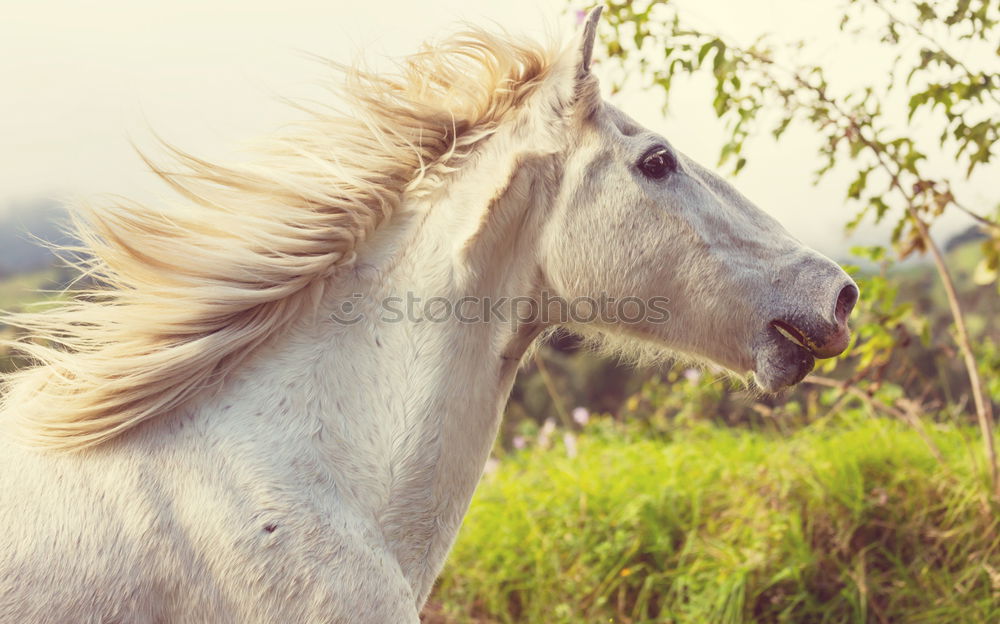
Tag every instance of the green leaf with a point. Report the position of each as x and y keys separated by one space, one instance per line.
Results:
x=714 y=44
x=859 y=184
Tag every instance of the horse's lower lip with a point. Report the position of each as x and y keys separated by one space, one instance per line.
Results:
x=781 y=362
x=804 y=367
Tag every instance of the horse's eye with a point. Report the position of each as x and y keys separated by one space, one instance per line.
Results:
x=657 y=163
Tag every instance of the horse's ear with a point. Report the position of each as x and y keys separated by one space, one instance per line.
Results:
x=574 y=87
x=587 y=37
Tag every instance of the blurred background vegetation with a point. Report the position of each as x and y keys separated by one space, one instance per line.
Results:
x=867 y=494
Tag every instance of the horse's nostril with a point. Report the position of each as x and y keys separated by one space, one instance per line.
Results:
x=845 y=303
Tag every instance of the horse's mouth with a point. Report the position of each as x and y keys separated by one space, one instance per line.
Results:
x=782 y=358
x=793 y=334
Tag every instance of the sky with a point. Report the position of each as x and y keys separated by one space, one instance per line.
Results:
x=81 y=81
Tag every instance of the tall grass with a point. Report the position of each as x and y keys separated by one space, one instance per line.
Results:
x=854 y=522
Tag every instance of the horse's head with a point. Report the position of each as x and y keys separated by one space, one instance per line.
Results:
x=634 y=218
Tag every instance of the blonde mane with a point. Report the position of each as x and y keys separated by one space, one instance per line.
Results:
x=187 y=293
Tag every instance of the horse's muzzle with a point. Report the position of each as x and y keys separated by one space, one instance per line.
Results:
x=823 y=336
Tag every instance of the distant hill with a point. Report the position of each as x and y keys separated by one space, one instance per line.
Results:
x=22 y=224
x=972 y=234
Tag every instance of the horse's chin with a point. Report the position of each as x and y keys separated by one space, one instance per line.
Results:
x=780 y=363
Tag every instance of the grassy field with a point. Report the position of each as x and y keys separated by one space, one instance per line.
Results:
x=848 y=522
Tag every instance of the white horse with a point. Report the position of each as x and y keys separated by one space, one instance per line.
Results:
x=242 y=426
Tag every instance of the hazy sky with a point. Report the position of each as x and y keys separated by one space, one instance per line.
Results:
x=79 y=78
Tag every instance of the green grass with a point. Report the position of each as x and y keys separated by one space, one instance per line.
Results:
x=855 y=522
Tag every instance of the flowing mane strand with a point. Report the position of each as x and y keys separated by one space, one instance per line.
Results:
x=187 y=293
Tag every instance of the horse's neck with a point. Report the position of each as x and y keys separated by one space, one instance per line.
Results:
x=409 y=410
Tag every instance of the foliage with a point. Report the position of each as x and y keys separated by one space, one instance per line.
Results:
x=763 y=86
x=845 y=520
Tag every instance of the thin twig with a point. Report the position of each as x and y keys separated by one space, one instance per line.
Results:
x=557 y=399
x=984 y=409
x=976 y=216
